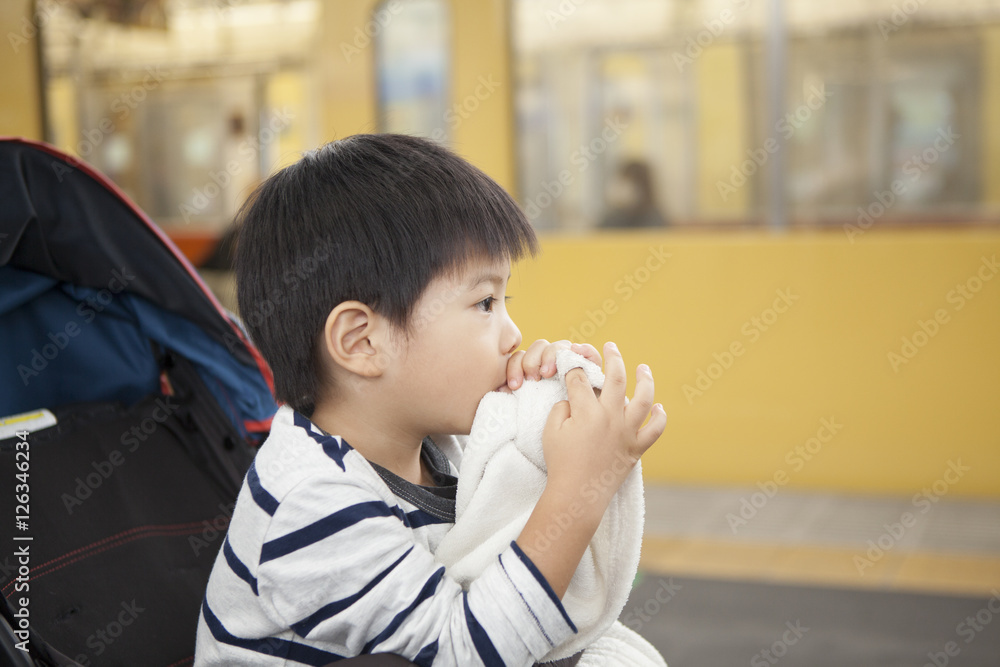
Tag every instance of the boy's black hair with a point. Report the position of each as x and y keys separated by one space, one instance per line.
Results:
x=372 y=218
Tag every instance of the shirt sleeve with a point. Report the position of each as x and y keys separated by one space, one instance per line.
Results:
x=340 y=567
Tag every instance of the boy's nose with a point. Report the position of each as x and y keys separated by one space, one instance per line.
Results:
x=511 y=335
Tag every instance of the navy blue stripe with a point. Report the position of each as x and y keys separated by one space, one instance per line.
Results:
x=335 y=448
x=281 y=648
x=309 y=655
x=427 y=654
x=306 y=625
x=398 y=512
x=484 y=645
x=544 y=582
x=267 y=502
x=425 y=592
x=418 y=518
x=237 y=566
x=538 y=622
x=325 y=527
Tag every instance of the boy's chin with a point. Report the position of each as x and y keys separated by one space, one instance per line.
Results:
x=466 y=427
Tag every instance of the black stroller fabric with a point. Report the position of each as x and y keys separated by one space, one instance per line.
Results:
x=119 y=507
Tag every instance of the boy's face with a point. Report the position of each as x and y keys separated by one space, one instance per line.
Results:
x=461 y=338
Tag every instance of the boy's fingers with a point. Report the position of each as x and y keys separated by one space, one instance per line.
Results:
x=532 y=360
x=515 y=373
x=653 y=429
x=642 y=399
x=580 y=392
x=588 y=352
x=560 y=412
x=613 y=393
x=548 y=362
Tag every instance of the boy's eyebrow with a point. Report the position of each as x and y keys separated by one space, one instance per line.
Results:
x=486 y=277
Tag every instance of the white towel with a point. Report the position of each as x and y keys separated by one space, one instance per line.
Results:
x=621 y=647
x=501 y=478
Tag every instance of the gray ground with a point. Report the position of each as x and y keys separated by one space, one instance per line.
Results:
x=703 y=623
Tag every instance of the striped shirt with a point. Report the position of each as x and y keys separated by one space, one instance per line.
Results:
x=324 y=561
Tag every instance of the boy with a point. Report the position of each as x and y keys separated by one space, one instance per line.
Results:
x=396 y=334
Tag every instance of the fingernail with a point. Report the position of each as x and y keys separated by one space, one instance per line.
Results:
x=546 y=368
x=643 y=368
x=613 y=346
x=512 y=383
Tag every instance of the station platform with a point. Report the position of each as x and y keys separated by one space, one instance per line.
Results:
x=727 y=577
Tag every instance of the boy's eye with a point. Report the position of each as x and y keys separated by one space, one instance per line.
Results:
x=486 y=304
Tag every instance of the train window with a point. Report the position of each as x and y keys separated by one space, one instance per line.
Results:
x=932 y=101
x=869 y=108
x=615 y=101
x=186 y=107
x=608 y=115
x=861 y=115
x=412 y=58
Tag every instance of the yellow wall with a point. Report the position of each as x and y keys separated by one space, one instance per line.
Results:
x=826 y=356
x=481 y=71
x=20 y=113
x=722 y=130
x=288 y=90
x=345 y=70
x=63 y=119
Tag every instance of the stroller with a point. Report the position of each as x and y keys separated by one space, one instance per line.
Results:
x=130 y=406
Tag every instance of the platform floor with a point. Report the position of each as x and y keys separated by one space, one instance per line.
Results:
x=716 y=623
x=877 y=580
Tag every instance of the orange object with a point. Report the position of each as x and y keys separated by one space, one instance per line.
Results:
x=196 y=246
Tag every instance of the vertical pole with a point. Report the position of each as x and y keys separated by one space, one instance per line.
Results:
x=42 y=80
x=777 y=216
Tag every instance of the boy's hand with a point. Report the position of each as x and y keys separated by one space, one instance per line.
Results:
x=539 y=360
x=584 y=439
x=587 y=436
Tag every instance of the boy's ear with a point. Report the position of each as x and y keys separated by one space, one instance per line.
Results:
x=354 y=337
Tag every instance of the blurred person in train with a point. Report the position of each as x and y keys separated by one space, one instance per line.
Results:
x=398 y=334
x=631 y=198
